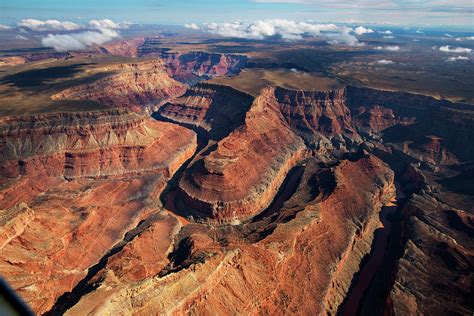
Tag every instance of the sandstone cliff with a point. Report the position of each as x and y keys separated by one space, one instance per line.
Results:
x=191 y=67
x=262 y=150
x=217 y=109
x=54 y=231
x=138 y=86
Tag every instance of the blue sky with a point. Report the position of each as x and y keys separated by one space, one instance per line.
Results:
x=403 y=12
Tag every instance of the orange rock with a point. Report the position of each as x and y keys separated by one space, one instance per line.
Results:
x=138 y=86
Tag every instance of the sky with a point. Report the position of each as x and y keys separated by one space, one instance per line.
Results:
x=169 y=12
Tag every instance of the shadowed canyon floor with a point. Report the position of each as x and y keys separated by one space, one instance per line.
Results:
x=170 y=195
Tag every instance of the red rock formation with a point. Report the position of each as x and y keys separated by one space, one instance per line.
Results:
x=12 y=61
x=190 y=67
x=435 y=273
x=137 y=86
x=91 y=144
x=263 y=150
x=321 y=118
x=217 y=109
x=117 y=163
x=317 y=237
x=128 y=48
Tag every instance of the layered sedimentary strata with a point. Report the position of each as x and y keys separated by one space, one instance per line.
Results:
x=321 y=118
x=12 y=61
x=54 y=231
x=191 y=67
x=241 y=175
x=128 y=48
x=435 y=273
x=93 y=144
x=321 y=233
x=419 y=126
x=136 y=86
x=217 y=109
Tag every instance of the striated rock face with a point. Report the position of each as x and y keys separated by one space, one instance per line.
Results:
x=128 y=48
x=264 y=149
x=12 y=61
x=135 y=86
x=54 y=232
x=322 y=119
x=417 y=125
x=321 y=233
x=435 y=273
x=190 y=67
x=217 y=109
x=89 y=144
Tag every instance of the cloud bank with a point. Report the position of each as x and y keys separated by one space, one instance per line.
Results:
x=362 y=30
x=289 y=30
x=448 y=49
x=451 y=59
x=384 y=62
x=192 y=26
x=392 y=48
x=96 y=32
x=48 y=25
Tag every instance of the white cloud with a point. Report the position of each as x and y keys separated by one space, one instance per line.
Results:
x=48 y=25
x=192 y=26
x=362 y=30
x=448 y=49
x=286 y=29
x=389 y=48
x=451 y=59
x=386 y=32
x=79 y=37
x=21 y=37
x=385 y=62
x=4 y=27
x=388 y=36
x=78 y=41
x=106 y=24
x=471 y=38
x=448 y=35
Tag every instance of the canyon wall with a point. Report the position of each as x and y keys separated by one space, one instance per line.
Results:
x=262 y=150
x=140 y=87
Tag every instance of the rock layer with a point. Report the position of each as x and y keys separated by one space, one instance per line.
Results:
x=191 y=67
x=53 y=230
x=91 y=144
x=316 y=236
x=263 y=150
x=138 y=87
x=217 y=109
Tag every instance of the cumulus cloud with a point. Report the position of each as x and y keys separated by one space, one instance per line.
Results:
x=385 y=32
x=388 y=36
x=384 y=62
x=106 y=24
x=451 y=59
x=48 y=25
x=471 y=38
x=286 y=29
x=362 y=30
x=95 y=32
x=448 y=49
x=192 y=26
x=391 y=48
x=78 y=41
x=4 y=27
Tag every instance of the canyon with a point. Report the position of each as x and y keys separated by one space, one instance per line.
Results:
x=186 y=197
